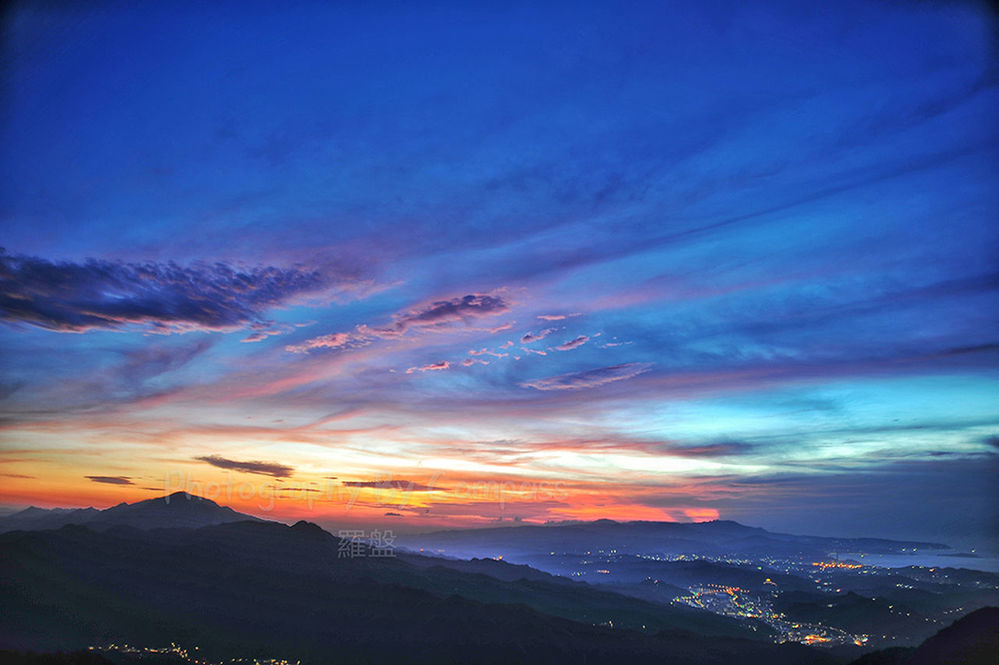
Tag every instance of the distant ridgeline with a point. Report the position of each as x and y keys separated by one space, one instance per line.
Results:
x=226 y=586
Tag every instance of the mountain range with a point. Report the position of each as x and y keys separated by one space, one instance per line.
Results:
x=185 y=570
x=179 y=509
x=714 y=538
x=266 y=590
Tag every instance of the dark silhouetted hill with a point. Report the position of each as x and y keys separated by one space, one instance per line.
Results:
x=971 y=640
x=176 y=510
x=266 y=590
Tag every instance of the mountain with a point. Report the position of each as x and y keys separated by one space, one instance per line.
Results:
x=971 y=640
x=176 y=510
x=716 y=538
x=266 y=590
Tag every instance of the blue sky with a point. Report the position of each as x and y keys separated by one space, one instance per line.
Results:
x=682 y=260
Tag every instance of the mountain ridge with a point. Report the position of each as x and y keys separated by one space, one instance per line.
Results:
x=179 y=509
x=716 y=536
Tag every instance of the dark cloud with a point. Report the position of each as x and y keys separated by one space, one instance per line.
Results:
x=161 y=297
x=720 y=449
x=443 y=311
x=111 y=480
x=399 y=485
x=992 y=441
x=391 y=514
x=589 y=378
x=534 y=337
x=273 y=469
x=573 y=343
x=437 y=314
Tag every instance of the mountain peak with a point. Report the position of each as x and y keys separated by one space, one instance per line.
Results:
x=303 y=526
x=179 y=509
x=177 y=496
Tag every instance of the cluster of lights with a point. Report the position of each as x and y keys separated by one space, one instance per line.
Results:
x=825 y=565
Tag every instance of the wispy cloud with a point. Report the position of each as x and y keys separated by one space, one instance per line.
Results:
x=398 y=485
x=573 y=343
x=556 y=317
x=332 y=341
x=432 y=367
x=436 y=316
x=534 y=337
x=158 y=297
x=273 y=469
x=487 y=352
x=719 y=449
x=589 y=378
x=111 y=480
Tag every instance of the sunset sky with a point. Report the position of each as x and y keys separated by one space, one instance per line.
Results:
x=430 y=266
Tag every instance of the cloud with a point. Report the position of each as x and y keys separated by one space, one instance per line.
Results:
x=399 y=485
x=589 y=378
x=436 y=315
x=720 y=449
x=332 y=341
x=445 y=311
x=265 y=330
x=557 y=317
x=534 y=337
x=111 y=480
x=433 y=367
x=273 y=469
x=573 y=343
x=487 y=352
x=159 y=297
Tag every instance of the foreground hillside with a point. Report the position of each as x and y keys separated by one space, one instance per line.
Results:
x=971 y=640
x=252 y=589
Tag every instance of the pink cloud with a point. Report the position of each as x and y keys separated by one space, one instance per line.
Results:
x=332 y=341
x=573 y=343
x=534 y=337
x=557 y=317
x=433 y=367
x=487 y=352
x=434 y=316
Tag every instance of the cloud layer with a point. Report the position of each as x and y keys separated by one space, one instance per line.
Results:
x=159 y=297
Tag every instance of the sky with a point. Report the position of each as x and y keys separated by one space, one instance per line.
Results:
x=439 y=265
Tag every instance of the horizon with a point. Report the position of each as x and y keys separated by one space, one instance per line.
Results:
x=454 y=267
x=407 y=530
